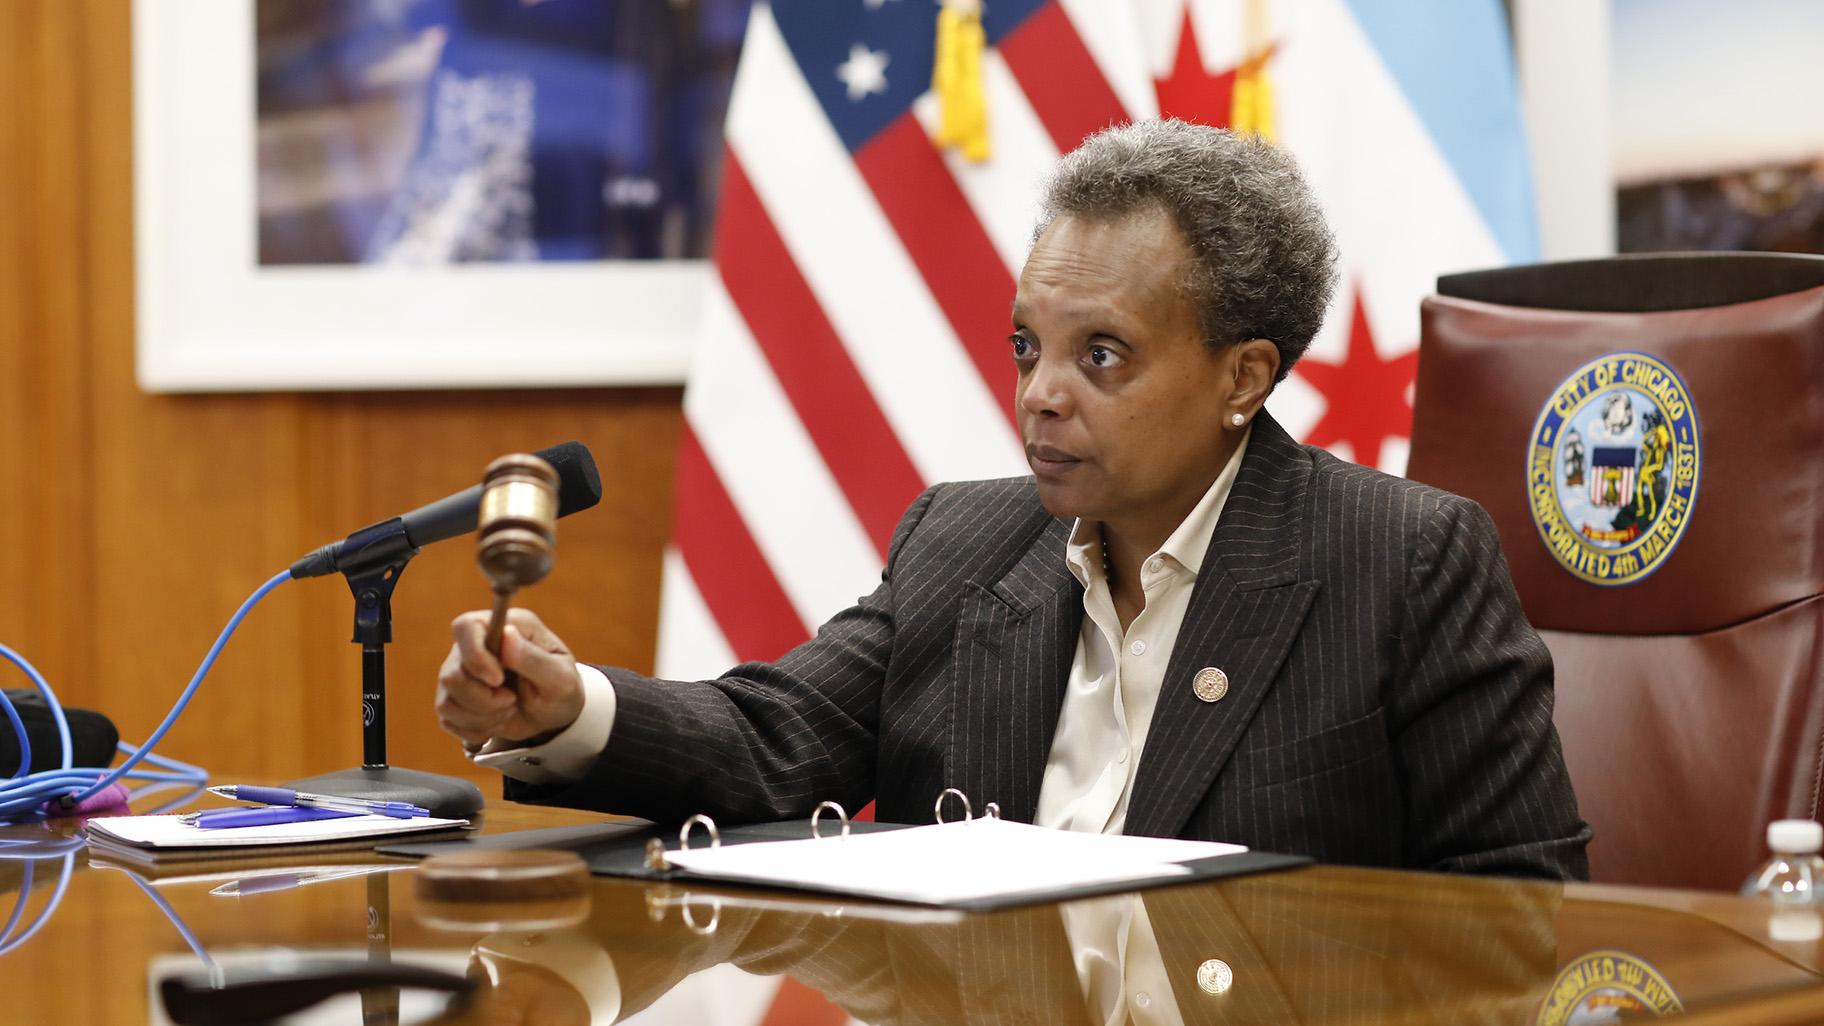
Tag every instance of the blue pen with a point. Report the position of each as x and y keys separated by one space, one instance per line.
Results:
x=216 y=819
x=287 y=797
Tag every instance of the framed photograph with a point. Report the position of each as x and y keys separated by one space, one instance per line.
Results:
x=341 y=194
x=1637 y=148
x=1718 y=162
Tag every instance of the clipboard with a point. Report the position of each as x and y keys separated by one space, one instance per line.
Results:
x=955 y=864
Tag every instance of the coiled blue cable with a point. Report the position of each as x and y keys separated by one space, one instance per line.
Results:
x=25 y=743
x=26 y=792
x=8 y=943
x=25 y=891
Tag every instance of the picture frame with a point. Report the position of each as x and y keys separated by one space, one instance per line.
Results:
x=211 y=318
x=1632 y=154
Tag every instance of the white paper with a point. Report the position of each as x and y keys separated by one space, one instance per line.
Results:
x=952 y=862
x=172 y=832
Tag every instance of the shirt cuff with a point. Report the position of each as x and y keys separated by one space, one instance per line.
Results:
x=568 y=756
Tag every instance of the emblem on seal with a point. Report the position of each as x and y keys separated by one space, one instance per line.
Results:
x=1607 y=987
x=1612 y=468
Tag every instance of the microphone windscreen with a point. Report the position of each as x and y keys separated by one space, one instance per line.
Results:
x=579 y=485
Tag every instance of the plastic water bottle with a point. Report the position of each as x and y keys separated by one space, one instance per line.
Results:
x=1795 y=872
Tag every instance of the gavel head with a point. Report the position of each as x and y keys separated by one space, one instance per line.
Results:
x=517 y=524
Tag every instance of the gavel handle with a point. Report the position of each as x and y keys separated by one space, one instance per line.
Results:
x=497 y=626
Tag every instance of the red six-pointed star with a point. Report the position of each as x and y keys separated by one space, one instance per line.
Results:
x=1367 y=399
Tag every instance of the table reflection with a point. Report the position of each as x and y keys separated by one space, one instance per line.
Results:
x=1321 y=944
x=1294 y=952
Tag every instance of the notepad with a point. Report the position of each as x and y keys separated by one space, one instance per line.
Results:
x=152 y=837
x=955 y=863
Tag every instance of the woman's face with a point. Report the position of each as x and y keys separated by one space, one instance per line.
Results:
x=1120 y=400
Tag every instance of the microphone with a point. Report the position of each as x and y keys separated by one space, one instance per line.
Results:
x=579 y=487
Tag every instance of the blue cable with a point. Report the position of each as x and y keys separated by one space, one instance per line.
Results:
x=183 y=700
x=168 y=763
x=69 y=786
x=44 y=914
x=66 y=849
x=25 y=743
x=188 y=793
x=26 y=791
x=38 y=851
x=29 y=790
x=25 y=893
x=177 y=921
x=50 y=698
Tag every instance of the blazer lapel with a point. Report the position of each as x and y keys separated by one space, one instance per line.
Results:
x=1246 y=607
x=1015 y=639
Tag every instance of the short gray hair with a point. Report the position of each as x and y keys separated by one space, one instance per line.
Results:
x=1263 y=260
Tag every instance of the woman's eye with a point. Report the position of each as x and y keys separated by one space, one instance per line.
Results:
x=1103 y=356
x=1022 y=346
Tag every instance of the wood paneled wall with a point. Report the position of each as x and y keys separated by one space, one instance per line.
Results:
x=132 y=525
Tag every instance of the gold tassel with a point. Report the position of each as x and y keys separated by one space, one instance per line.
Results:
x=1252 y=109
x=956 y=78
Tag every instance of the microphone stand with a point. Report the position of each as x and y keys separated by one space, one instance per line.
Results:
x=373 y=558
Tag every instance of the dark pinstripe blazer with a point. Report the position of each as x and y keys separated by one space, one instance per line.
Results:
x=1389 y=704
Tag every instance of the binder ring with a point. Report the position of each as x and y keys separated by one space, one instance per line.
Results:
x=690 y=918
x=715 y=836
x=993 y=811
x=817 y=813
x=937 y=810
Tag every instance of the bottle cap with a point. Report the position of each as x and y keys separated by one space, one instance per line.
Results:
x=1795 y=836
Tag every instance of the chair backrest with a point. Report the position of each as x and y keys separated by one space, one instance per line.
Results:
x=1648 y=434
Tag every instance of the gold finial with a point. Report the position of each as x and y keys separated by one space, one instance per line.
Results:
x=956 y=78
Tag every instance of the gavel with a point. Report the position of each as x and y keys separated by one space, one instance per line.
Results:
x=517 y=529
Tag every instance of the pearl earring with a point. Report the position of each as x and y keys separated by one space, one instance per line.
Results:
x=1237 y=419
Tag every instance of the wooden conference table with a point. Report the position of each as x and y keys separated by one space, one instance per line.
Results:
x=1312 y=945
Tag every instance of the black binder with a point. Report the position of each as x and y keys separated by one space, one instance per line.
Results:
x=619 y=848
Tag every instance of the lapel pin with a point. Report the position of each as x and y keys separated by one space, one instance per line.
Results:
x=1210 y=684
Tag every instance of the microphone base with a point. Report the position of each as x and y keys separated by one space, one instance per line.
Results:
x=447 y=797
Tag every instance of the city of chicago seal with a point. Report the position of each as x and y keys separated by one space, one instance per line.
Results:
x=1607 y=987
x=1612 y=467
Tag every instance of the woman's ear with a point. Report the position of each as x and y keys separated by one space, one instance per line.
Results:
x=1256 y=367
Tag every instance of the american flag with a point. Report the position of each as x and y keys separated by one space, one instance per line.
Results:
x=1612 y=475
x=854 y=347
x=854 y=344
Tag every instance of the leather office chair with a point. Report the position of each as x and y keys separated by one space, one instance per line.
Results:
x=1690 y=663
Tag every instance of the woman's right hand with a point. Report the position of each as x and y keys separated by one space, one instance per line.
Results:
x=472 y=701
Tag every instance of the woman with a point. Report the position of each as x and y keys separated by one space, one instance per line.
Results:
x=1182 y=624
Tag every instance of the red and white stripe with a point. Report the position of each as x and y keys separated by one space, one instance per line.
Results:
x=854 y=345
